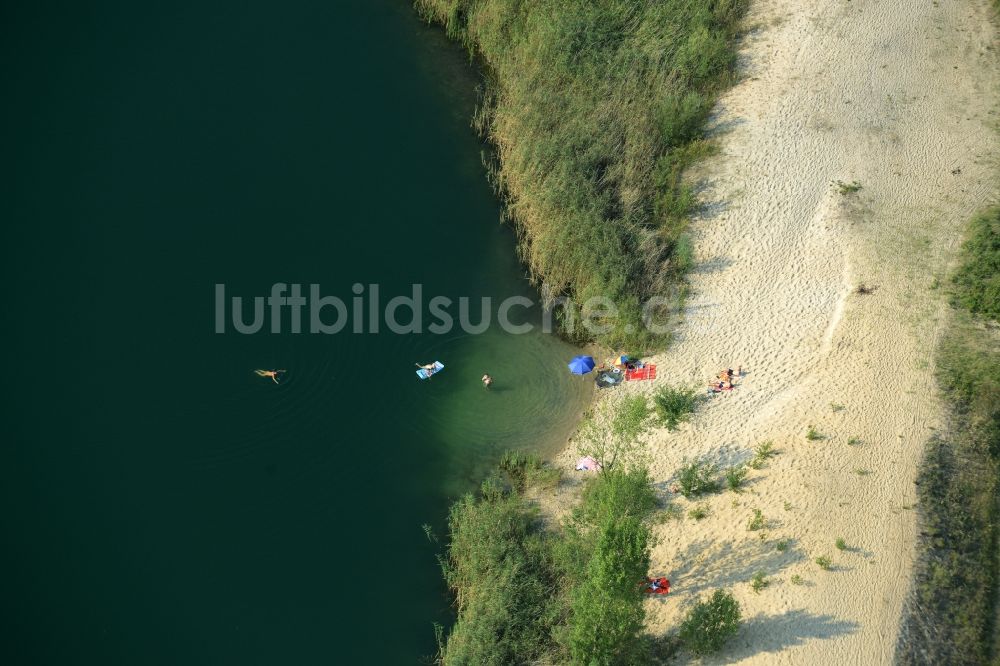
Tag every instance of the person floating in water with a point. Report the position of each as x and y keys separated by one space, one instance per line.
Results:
x=487 y=381
x=428 y=367
x=273 y=374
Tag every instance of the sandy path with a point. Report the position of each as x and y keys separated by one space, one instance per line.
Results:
x=896 y=96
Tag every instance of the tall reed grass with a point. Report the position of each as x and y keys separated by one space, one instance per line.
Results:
x=596 y=109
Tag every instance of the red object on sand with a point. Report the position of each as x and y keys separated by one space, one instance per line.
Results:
x=635 y=374
x=662 y=586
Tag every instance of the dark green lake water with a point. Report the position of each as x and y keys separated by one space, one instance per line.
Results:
x=161 y=504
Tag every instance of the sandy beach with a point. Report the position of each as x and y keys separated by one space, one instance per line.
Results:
x=901 y=99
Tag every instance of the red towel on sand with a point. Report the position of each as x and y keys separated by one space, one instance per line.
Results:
x=648 y=372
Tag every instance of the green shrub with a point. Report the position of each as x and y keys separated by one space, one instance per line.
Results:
x=735 y=477
x=765 y=450
x=847 y=188
x=632 y=416
x=824 y=562
x=699 y=512
x=698 y=478
x=762 y=453
x=840 y=544
x=711 y=623
x=781 y=546
x=614 y=494
x=759 y=582
x=812 y=434
x=757 y=521
x=674 y=405
x=796 y=579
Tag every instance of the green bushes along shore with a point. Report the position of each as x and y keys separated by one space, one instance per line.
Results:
x=527 y=592
x=595 y=110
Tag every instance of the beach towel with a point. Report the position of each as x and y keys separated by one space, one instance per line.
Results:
x=637 y=374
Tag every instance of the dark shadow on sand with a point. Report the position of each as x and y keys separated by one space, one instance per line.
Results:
x=773 y=633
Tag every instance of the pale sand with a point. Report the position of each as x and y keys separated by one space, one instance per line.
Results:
x=894 y=95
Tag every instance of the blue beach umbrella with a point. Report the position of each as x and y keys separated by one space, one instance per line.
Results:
x=581 y=365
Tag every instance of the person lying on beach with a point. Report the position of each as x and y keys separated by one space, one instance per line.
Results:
x=273 y=374
x=658 y=585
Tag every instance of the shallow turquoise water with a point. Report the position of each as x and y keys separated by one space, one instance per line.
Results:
x=162 y=504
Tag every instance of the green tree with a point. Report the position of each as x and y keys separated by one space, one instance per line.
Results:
x=613 y=435
x=607 y=613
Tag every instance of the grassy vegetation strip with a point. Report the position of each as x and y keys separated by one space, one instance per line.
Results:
x=951 y=614
x=978 y=277
x=595 y=109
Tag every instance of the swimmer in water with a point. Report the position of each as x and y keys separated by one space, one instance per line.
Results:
x=487 y=381
x=273 y=374
x=429 y=367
